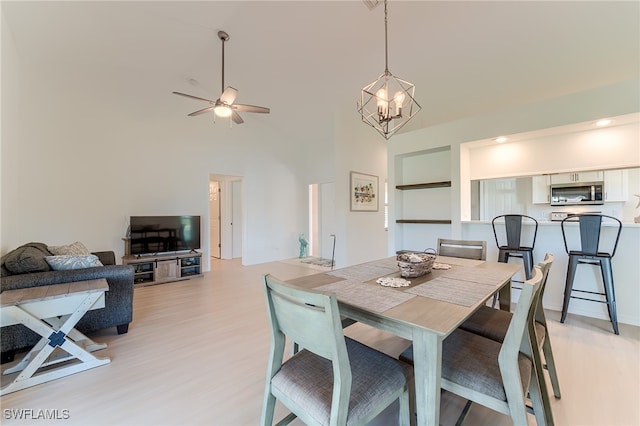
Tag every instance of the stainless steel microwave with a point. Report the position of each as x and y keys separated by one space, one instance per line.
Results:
x=578 y=193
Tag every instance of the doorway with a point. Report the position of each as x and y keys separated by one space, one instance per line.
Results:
x=225 y=216
x=322 y=236
x=214 y=218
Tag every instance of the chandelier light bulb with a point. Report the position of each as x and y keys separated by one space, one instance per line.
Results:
x=399 y=100
x=383 y=102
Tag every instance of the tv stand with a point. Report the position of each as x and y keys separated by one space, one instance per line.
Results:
x=164 y=267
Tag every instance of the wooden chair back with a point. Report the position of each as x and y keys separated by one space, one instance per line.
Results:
x=467 y=249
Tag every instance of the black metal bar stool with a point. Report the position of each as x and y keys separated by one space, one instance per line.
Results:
x=510 y=241
x=590 y=226
x=513 y=235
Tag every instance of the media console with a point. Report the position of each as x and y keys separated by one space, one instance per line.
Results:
x=166 y=267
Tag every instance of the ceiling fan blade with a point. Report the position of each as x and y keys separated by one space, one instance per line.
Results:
x=229 y=95
x=202 y=111
x=194 y=97
x=251 y=108
x=236 y=118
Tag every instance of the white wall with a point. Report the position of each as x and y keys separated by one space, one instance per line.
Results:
x=360 y=236
x=79 y=157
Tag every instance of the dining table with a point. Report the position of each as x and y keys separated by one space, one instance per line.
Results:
x=425 y=311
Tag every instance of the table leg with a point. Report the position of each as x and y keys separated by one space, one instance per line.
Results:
x=505 y=297
x=427 y=362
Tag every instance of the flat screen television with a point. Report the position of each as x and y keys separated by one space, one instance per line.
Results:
x=162 y=234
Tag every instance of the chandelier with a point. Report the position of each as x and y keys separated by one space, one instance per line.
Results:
x=387 y=103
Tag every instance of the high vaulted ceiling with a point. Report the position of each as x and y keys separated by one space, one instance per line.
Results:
x=308 y=60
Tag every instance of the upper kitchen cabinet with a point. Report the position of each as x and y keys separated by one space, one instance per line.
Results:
x=576 y=177
x=616 y=185
x=540 y=189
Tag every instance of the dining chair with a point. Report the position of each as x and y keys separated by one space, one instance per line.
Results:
x=510 y=241
x=496 y=375
x=333 y=380
x=466 y=249
x=494 y=323
x=589 y=252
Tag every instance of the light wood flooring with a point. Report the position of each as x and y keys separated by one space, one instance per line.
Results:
x=196 y=354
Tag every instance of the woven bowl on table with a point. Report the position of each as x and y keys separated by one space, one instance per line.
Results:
x=413 y=264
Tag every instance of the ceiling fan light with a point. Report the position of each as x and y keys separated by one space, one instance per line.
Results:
x=222 y=111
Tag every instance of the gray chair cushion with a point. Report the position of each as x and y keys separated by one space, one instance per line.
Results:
x=472 y=361
x=307 y=379
x=493 y=324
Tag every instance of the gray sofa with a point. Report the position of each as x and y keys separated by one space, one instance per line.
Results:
x=118 y=310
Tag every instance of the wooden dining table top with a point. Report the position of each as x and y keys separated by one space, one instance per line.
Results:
x=409 y=306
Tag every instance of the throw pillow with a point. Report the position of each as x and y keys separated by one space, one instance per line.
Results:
x=73 y=249
x=27 y=258
x=66 y=262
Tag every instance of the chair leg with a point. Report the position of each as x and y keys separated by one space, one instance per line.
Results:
x=503 y=256
x=571 y=273
x=541 y=383
x=527 y=261
x=541 y=410
x=463 y=414
x=551 y=365
x=404 y=417
x=607 y=279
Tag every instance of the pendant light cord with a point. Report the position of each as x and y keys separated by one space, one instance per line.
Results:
x=386 y=48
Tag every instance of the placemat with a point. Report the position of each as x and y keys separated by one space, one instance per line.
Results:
x=482 y=276
x=365 y=271
x=369 y=296
x=446 y=289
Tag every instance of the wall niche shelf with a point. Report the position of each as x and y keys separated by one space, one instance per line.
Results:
x=426 y=185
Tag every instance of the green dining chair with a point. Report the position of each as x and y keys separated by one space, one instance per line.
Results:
x=333 y=380
x=494 y=323
x=496 y=375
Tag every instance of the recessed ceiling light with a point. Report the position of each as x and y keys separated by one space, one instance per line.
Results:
x=603 y=122
x=501 y=139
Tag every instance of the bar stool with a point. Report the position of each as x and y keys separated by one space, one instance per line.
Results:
x=590 y=229
x=510 y=241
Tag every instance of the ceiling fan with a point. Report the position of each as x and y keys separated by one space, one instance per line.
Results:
x=224 y=106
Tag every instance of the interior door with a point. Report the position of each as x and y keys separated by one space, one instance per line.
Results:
x=326 y=219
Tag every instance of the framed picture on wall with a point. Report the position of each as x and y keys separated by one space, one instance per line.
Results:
x=364 y=192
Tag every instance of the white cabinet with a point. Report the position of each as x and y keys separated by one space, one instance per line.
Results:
x=540 y=189
x=577 y=177
x=616 y=185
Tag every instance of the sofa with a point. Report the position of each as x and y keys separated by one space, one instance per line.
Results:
x=118 y=310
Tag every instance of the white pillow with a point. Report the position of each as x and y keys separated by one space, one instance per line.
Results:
x=73 y=249
x=67 y=262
